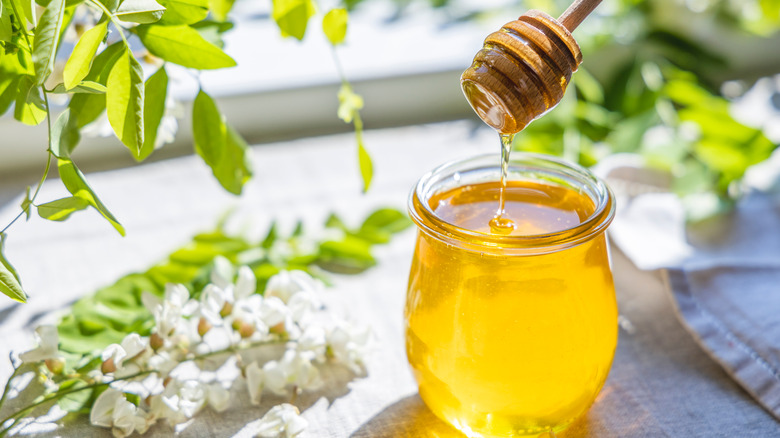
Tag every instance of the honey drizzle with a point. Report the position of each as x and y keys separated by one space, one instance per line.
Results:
x=501 y=224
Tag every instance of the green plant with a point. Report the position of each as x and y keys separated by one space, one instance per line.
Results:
x=103 y=74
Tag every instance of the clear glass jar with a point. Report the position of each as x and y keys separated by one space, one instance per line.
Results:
x=510 y=336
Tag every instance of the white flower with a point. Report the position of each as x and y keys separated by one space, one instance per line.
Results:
x=250 y=311
x=294 y=368
x=112 y=410
x=218 y=397
x=246 y=284
x=282 y=421
x=273 y=311
x=302 y=304
x=349 y=344
x=169 y=311
x=223 y=272
x=132 y=345
x=313 y=339
x=213 y=300
x=162 y=362
x=48 y=342
x=285 y=284
x=186 y=398
x=254 y=382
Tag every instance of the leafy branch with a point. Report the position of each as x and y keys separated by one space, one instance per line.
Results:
x=103 y=75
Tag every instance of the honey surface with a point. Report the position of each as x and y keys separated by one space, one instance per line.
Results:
x=535 y=208
x=510 y=345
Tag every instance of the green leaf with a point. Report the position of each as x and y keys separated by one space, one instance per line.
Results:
x=292 y=16
x=80 y=61
x=4 y=261
x=77 y=400
x=221 y=8
x=30 y=108
x=47 y=35
x=234 y=168
x=65 y=135
x=87 y=87
x=140 y=11
x=61 y=209
x=366 y=167
x=388 y=219
x=208 y=129
x=111 y=5
x=88 y=107
x=270 y=237
x=12 y=67
x=183 y=45
x=9 y=279
x=125 y=102
x=6 y=29
x=221 y=147
x=334 y=24
x=26 y=203
x=156 y=91
x=77 y=185
x=184 y=11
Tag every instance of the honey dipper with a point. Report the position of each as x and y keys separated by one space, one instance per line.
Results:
x=523 y=69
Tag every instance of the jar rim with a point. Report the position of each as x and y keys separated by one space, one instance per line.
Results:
x=595 y=224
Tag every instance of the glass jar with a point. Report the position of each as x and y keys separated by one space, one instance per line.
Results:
x=510 y=335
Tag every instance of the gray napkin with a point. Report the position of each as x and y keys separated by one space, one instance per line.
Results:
x=724 y=277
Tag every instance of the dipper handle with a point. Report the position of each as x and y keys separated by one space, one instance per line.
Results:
x=576 y=12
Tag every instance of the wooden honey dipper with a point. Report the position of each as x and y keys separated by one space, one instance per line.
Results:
x=523 y=69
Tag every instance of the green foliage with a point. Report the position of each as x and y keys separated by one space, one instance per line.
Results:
x=80 y=60
x=10 y=284
x=292 y=16
x=47 y=35
x=115 y=311
x=350 y=104
x=61 y=209
x=183 y=45
x=220 y=146
x=184 y=11
x=125 y=101
x=156 y=91
x=30 y=108
x=334 y=24
x=140 y=11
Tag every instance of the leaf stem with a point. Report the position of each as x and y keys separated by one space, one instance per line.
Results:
x=58 y=394
x=22 y=26
x=8 y=386
x=45 y=170
x=113 y=19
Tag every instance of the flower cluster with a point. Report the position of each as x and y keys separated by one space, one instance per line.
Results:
x=152 y=378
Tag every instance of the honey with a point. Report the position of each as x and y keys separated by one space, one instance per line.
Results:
x=510 y=334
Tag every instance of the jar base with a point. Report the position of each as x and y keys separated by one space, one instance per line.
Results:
x=494 y=426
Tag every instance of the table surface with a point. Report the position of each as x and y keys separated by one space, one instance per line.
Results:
x=661 y=382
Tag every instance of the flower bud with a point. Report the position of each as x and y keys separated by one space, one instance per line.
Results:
x=108 y=366
x=56 y=365
x=203 y=327
x=278 y=329
x=227 y=309
x=246 y=330
x=156 y=341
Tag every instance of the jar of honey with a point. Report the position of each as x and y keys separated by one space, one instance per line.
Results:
x=512 y=334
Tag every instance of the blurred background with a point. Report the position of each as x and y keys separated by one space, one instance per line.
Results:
x=688 y=87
